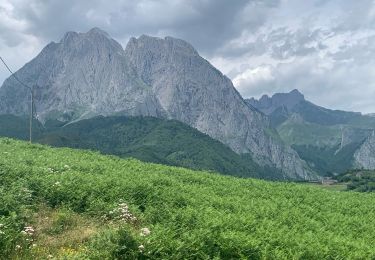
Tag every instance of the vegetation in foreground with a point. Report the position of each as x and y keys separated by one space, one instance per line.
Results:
x=69 y=204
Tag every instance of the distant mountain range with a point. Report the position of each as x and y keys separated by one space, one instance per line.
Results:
x=89 y=74
x=331 y=141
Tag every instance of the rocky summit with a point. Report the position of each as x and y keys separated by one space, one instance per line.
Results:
x=89 y=74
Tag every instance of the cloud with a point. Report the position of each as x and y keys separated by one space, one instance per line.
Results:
x=325 y=48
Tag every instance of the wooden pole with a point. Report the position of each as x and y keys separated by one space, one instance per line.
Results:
x=31 y=113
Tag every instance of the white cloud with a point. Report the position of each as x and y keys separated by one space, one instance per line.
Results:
x=251 y=78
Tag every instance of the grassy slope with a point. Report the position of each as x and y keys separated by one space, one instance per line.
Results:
x=191 y=214
x=304 y=133
x=145 y=138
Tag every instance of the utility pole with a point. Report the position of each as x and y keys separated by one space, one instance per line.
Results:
x=31 y=89
x=31 y=113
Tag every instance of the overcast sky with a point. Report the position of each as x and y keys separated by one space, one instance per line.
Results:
x=324 y=48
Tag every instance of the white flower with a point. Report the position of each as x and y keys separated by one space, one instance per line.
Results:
x=1 y=232
x=18 y=247
x=145 y=232
x=141 y=248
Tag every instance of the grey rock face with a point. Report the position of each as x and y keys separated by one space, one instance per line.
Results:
x=364 y=156
x=83 y=75
x=191 y=90
x=87 y=74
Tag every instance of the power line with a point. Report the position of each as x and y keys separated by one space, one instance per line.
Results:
x=31 y=95
x=11 y=72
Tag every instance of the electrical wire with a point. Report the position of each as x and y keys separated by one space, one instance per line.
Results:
x=19 y=81
x=11 y=72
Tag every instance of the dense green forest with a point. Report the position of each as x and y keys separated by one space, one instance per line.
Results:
x=326 y=160
x=145 y=138
x=63 y=203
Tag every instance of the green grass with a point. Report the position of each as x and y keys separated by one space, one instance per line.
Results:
x=191 y=214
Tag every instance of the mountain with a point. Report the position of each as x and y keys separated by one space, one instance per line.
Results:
x=89 y=74
x=148 y=139
x=268 y=105
x=281 y=105
x=331 y=141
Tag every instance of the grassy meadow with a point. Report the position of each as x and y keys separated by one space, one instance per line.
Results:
x=60 y=203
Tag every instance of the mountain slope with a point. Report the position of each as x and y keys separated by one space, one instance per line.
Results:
x=364 y=157
x=186 y=213
x=331 y=141
x=145 y=138
x=89 y=74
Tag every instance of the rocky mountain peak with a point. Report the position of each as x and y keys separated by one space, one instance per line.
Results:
x=93 y=39
x=98 y=32
x=168 y=46
x=268 y=104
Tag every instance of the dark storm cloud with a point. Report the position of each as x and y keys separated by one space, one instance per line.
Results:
x=206 y=24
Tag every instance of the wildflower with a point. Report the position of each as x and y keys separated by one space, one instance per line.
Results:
x=1 y=232
x=141 y=248
x=145 y=232
x=66 y=166
x=18 y=247
x=50 y=256
x=122 y=213
x=56 y=184
x=28 y=231
x=34 y=245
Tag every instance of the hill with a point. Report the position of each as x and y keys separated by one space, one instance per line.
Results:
x=148 y=139
x=64 y=203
